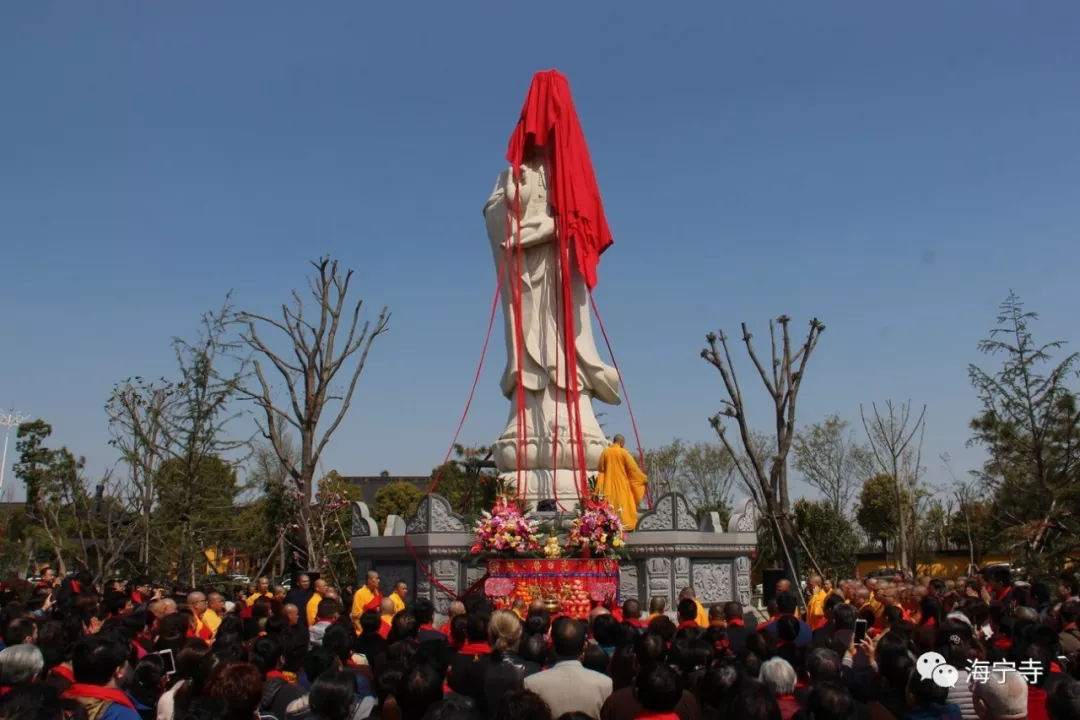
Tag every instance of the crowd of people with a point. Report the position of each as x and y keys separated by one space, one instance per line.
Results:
x=129 y=652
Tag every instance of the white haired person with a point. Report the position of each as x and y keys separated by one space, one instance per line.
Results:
x=20 y=664
x=779 y=677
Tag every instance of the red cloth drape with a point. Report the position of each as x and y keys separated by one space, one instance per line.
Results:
x=549 y=120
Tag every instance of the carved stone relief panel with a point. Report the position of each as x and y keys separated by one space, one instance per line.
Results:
x=363 y=525
x=743 y=587
x=661 y=517
x=658 y=579
x=682 y=576
x=447 y=572
x=628 y=583
x=712 y=582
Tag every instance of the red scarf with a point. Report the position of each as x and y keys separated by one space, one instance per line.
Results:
x=137 y=598
x=638 y=622
x=736 y=622
x=75 y=588
x=549 y=120
x=96 y=692
x=475 y=648
x=384 y=630
x=1003 y=643
x=64 y=672
x=645 y=715
x=445 y=629
x=687 y=624
x=375 y=603
x=1004 y=591
x=931 y=621
x=279 y=675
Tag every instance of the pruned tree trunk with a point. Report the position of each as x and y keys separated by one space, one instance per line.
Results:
x=764 y=473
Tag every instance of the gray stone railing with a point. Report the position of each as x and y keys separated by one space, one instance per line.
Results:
x=669 y=550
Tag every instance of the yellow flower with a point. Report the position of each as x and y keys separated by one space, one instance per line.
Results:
x=617 y=542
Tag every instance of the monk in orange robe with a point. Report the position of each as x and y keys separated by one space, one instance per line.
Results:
x=620 y=481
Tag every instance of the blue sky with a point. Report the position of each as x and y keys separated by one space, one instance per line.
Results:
x=893 y=169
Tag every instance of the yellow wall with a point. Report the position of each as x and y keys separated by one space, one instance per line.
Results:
x=943 y=566
x=224 y=565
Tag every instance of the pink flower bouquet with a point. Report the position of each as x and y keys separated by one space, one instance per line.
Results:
x=598 y=530
x=505 y=531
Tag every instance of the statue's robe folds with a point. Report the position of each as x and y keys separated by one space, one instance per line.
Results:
x=621 y=483
x=534 y=271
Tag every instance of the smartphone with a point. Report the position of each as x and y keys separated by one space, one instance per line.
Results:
x=860 y=630
x=170 y=662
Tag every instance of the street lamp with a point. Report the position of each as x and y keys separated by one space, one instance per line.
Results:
x=8 y=420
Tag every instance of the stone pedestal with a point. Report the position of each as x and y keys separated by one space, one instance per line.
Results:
x=670 y=550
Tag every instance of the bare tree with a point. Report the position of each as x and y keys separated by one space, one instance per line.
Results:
x=706 y=475
x=765 y=476
x=139 y=413
x=664 y=464
x=314 y=357
x=890 y=436
x=830 y=460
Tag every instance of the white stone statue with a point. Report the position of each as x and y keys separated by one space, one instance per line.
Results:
x=545 y=374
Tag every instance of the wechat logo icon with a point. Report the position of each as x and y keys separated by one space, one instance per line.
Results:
x=931 y=666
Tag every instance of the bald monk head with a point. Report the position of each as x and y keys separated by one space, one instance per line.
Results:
x=386 y=607
x=196 y=602
x=619 y=440
x=456 y=608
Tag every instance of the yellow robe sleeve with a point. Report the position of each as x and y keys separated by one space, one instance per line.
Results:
x=313 y=608
x=255 y=596
x=702 y=615
x=360 y=599
x=399 y=604
x=211 y=620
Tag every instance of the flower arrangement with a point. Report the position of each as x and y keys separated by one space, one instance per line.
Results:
x=505 y=531
x=597 y=530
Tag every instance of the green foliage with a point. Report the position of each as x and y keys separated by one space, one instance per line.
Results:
x=195 y=510
x=469 y=486
x=1030 y=425
x=36 y=462
x=721 y=509
x=400 y=498
x=828 y=537
x=876 y=509
x=974 y=525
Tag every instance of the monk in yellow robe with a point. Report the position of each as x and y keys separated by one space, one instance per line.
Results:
x=263 y=591
x=620 y=481
x=313 y=604
x=815 y=606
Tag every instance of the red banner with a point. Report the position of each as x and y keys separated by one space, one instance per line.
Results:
x=574 y=583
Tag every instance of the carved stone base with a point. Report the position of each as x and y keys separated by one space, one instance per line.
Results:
x=542 y=411
x=668 y=552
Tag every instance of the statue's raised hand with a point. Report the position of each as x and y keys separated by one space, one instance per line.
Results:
x=535 y=230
